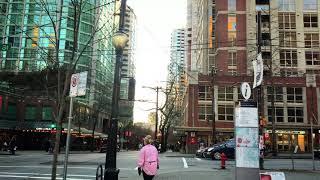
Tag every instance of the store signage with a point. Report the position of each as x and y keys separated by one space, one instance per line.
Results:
x=287 y=132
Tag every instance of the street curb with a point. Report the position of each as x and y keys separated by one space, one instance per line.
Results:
x=293 y=171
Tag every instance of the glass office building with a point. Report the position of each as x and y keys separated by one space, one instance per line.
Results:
x=27 y=38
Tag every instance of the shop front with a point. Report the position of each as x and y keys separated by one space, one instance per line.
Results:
x=288 y=139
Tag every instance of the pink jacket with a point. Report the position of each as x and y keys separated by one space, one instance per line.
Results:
x=148 y=159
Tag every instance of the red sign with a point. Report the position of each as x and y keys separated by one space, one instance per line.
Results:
x=193 y=140
x=265 y=177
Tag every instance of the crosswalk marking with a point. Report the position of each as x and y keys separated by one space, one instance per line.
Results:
x=185 y=165
x=38 y=177
x=198 y=159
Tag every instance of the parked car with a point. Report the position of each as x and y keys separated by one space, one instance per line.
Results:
x=228 y=148
x=199 y=152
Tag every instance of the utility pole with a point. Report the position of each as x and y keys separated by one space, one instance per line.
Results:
x=213 y=74
x=156 y=124
x=259 y=90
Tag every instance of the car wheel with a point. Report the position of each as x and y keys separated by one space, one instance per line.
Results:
x=217 y=155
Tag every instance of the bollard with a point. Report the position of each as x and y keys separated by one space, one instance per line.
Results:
x=223 y=161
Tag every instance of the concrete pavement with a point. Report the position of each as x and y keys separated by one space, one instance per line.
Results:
x=173 y=166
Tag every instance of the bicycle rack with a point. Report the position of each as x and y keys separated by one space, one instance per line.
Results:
x=99 y=172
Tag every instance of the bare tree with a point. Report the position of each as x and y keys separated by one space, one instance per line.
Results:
x=62 y=69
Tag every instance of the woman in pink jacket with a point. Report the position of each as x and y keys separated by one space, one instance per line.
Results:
x=148 y=159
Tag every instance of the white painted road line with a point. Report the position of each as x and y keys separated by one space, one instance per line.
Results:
x=185 y=165
x=40 y=177
x=39 y=174
x=198 y=159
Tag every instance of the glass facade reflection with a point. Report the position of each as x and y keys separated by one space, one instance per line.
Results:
x=26 y=27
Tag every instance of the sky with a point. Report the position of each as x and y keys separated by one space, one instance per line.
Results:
x=156 y=19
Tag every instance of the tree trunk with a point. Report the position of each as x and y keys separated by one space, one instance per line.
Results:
x=56 y=150
x=93 y=129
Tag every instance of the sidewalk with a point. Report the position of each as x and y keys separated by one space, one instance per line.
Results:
x=288 y=156
x=176 y=154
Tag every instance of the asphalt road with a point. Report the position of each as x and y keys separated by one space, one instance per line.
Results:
x=173 y=166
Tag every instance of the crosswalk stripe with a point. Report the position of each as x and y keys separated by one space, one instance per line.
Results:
x=40 y=177
x=185 y=165
x=198 y=159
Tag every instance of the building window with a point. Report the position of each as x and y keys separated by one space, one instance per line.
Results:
x=47 y=113
x=310 y=20
x=205 y=93
x=232 y=63
x=279 y=115
x=288 y=72
x=288 y=39
x=205 y=112
x=31 y=113
x=312 y=58
x=225 y=112
x=294 y=95
x=287 y=21
x=232 y=29
x=225 y=94
x=277 y=93
x=232 y=5
x=309 y=5
x=287 y=5
x=311 y=40
x=288 y=58
x=295 y=114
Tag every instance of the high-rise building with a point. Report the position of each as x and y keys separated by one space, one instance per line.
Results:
x=28 y=37
x=222 y=42
x=128 y=69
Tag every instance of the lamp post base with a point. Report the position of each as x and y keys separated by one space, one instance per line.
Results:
x=111 y=174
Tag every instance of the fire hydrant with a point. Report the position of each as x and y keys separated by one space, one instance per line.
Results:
x=223 y=161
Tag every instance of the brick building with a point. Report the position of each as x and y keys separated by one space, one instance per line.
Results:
x=221 y=40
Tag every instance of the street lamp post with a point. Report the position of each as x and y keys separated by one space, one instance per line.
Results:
x=119 y=41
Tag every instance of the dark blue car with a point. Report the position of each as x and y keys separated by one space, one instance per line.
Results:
x=227 y=147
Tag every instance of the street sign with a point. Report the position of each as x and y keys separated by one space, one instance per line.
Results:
x=78 y=84
x=245 y=90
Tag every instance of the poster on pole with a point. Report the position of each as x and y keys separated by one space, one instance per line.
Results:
x=247 y=157
x=247 y=117
x=247 y=137
x=74 y=85
x=257 y=71
x=82 y=86
x=78 y=84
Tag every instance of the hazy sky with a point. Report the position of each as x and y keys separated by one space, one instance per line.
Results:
x=156 y=19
